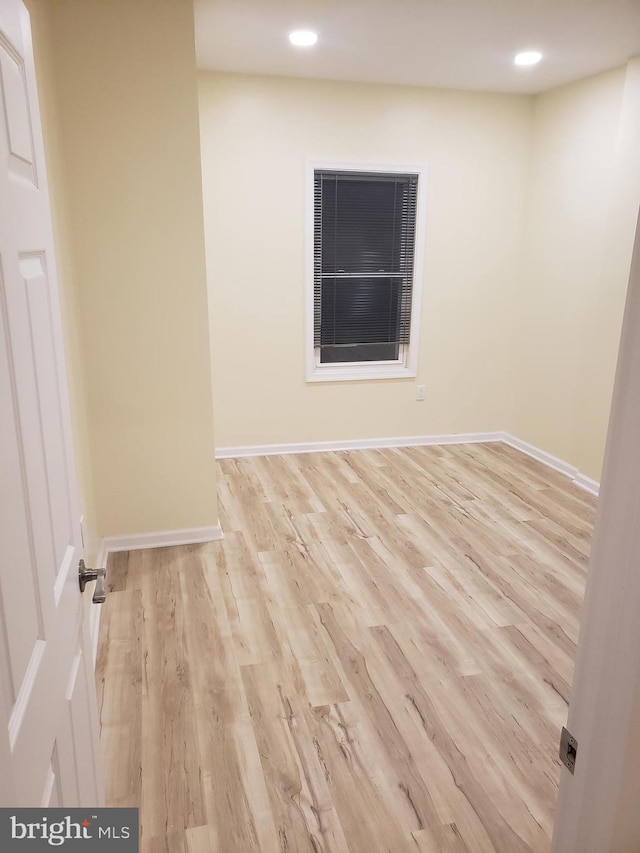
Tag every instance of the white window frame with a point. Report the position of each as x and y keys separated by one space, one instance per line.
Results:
x=407 y=365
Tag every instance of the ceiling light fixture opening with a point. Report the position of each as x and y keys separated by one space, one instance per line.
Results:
x=303 y=38
x=527 y=57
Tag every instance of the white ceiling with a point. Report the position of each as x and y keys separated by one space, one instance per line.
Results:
x=461 y=44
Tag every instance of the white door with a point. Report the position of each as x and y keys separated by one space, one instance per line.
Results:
x=49 y=751
x=599 y=807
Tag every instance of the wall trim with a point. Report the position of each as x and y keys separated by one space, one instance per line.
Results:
x=356 y=444
x=547 y=459
x=578 y=478
x=162 y=538
x=157 y=539
x=587 y=484
x=581 y=480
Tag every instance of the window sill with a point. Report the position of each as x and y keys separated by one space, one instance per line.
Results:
x=332 y=373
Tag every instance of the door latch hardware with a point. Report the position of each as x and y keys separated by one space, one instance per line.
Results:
x=86 y=575
x=568 y=750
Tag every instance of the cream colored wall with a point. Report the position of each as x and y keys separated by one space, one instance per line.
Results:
x=126 y=165
x=577 y=252
x=41 y=23
x=600 y=359
x=517 y=335
x=528 y=245
x=257 y=133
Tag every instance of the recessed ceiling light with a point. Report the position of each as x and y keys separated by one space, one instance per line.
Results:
x=527 y=57
x=303 y=38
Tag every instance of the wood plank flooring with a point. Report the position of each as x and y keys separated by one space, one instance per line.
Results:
x=377 y=657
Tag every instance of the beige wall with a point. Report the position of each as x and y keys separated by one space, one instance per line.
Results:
x=606 y=317
x=528 y=240
x=118 y=85
x=530 y=219
x=41 y=23
x=571 y=300
x=257 y=133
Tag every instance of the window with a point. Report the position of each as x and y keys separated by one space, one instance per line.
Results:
x=363 y=311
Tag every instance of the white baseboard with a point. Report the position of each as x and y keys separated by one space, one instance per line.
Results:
x=548 y=459
x=580 y=480
x=587 y=484
x=541 y=455
x=162 y=539
x=158 y=539
x=356 y=444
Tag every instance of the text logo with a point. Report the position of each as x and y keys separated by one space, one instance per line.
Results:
x=71 y=829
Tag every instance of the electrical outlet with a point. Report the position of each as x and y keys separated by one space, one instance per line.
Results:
x=420 y=389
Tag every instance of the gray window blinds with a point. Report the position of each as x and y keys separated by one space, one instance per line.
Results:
x=364 y=238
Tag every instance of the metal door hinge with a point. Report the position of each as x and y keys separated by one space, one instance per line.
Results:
x=568 y=750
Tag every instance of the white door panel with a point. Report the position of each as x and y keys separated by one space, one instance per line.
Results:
x=18 y=127
x=48 y=731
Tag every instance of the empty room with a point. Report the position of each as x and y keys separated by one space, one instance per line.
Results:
x=319 y=394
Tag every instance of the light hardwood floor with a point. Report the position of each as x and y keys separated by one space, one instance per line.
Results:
x=377 y=657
